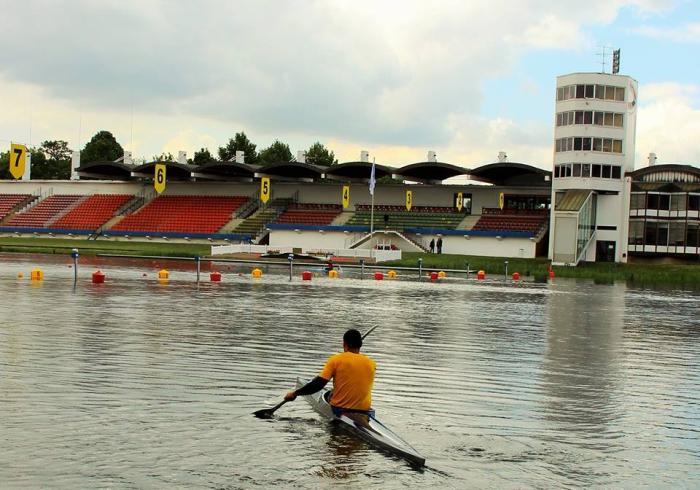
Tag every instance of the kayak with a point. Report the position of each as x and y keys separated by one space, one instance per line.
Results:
x=364 y=426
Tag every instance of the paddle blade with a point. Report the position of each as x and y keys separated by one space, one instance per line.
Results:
x=266 y=413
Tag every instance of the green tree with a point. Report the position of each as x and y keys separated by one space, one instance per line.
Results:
x=102 y=147
x=275 y=153
x=239 y=142
x=51 y=161
x=5 y=166
x=201 y=157
x=164 y=157
x=318 y=154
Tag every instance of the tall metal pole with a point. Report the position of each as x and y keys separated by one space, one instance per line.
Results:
x=74 y=254
x=290 y=258
x=198 y=267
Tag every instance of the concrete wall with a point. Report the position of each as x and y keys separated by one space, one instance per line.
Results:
x=489 y=246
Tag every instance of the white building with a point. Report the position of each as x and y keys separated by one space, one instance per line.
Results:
x=594 y=146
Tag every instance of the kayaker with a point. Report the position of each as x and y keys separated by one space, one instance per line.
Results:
x=352 y=374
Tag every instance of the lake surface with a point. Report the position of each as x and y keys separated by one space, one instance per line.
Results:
x=136 y=384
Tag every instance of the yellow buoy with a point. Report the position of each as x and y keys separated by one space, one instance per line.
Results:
x=333 y=274
x=37 y=274
x=257 y=273
x=163 y=275
x=20 y=275
x=391 y=274
x=441 y=274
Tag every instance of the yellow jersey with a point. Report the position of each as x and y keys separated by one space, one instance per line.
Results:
x=353 y=377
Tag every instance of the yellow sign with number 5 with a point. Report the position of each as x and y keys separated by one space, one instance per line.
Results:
x=265 y=189
x=159 y=178
x=409 y=200
x=18 y=160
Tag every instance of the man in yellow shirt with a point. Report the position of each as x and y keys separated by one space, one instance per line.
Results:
x=352 y=374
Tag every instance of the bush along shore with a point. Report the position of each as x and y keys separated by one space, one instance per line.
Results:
x=638 y=274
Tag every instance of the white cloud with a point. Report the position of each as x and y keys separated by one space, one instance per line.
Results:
x=669 y=123
x=687 y=33
x=397 y=78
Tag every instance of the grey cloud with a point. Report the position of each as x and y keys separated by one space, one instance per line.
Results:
x=321 y=68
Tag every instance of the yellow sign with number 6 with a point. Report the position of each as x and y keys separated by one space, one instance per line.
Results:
x=18 y=160
x=159 y=178
x=265 y=189
x=409 y=200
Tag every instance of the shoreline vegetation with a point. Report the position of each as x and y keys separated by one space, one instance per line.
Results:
x=685 y=275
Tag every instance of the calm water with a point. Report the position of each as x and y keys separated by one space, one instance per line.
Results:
x=135 y=384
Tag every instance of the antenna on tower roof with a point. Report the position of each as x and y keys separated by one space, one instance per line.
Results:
x=603 y=53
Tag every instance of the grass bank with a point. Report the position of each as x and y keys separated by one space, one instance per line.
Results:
x=94 y=247
x=637 y=274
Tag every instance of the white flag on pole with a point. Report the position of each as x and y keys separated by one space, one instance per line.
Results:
x=372 y=181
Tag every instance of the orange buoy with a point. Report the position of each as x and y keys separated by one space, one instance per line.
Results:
x=481 y=275
x=306 y=276
x=215 y=276
x=332 y=274
x=516 y=276
x=163 y=275
x=391 y=274
x=37 y=274
x=257 y=273
x=378 y=276
x=441 y=274
x=98 y=277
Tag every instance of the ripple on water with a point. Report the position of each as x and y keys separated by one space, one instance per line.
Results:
x=139 y=385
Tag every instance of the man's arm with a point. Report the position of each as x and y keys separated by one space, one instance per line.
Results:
x=309 y=388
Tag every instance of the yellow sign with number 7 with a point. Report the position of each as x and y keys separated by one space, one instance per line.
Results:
x=18 y=160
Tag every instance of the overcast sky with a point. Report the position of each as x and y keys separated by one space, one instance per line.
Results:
x=397 y=78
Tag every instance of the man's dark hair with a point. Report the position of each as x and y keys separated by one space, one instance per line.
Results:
x=353 y=339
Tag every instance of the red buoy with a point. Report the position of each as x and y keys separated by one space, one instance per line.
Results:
x=215 y=276
x=516 y=276
x=433 y=276
x=551 y=274
x=306 y=276
x=481 y=275
x=378 y=276
x=98 y=277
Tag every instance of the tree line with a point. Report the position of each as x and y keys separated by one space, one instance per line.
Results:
x=51 y=159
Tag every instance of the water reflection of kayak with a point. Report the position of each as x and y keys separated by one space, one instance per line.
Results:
x=364 y=426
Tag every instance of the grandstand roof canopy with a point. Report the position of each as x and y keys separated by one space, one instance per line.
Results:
x=359 y=171
x=666 y=173
x=512 y=174
x=173 y=170
x=293 y=170
x=431 y=172
x=225 y=170
x=105 y=170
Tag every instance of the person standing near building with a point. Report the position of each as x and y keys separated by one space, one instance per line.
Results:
x=432 y=246
x=439 y=245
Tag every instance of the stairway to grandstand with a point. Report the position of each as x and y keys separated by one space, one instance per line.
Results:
x=182 y=214
x=310 y=214
x=254 y=225
x=9 y=203
x=93 y=212
x=494 y=219
x=45 y=212
x=398 y=218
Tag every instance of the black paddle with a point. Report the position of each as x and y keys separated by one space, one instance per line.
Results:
x=266 y=413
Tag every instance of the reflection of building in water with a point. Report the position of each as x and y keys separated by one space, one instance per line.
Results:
x=580 y=374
